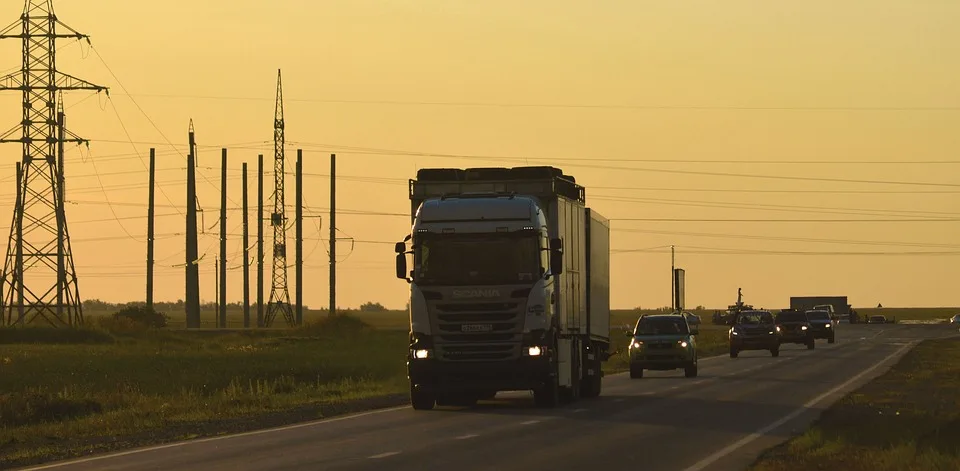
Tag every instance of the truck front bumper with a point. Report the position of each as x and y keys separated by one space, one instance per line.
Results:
x=440 y=377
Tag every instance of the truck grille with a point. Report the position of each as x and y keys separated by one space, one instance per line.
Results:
x=478 y=331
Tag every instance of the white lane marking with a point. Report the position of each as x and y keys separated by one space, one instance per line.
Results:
x=465 y=437
x=530 y=422
x=813 y=402
x=383 y=455
x=222 y=437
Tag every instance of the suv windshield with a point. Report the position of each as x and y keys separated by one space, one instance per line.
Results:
x=818 y=315
x=791 y=317
x=661 y=326
x=755 y=318
x=477 y=259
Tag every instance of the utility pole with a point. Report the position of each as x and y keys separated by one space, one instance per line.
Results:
x=246 y=253
x=279 y=293
x=40 y=240
x=222 y=320
x=150 y=229
x=216 y=291
x=673 y=284
x=299 y=222
x=333 y=235
x=192 y=265
x=260 y=240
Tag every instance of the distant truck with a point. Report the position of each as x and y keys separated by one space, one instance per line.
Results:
x=510 y=286
x=808 y=303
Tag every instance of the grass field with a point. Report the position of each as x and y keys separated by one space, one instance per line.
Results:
x=68 y=392
x=906 y=420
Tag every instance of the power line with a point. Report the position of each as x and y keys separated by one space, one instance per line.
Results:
x=373 y=151
x=775 y=207
x=649 y=107
x=788 y=239
x=749 y=190
x=720 y=251
x=785 y=220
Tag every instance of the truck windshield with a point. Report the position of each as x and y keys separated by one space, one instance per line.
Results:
x=661 y=326
x=818 y=315
x=478 y=259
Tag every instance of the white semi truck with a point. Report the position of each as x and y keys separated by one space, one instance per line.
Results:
x=509 y=288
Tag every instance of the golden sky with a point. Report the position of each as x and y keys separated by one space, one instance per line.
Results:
x=665 y=88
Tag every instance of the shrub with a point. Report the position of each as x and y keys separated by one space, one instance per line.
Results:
x=142 y=315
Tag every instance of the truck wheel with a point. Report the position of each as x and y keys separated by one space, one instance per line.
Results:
x=734 y=352
x=775 y=351
x=549 y=395
x=592 y=386
x=691 y=370
x=832 y=339
x=421 y=400
x=636 y=372
x=811 y=345
x=486 y=395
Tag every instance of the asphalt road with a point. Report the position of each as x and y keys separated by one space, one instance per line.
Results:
x=721 y=420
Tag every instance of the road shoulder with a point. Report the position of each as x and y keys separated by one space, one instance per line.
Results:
x=904 y=419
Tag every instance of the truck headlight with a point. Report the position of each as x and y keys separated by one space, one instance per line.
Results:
x=421 y=354
x=683 y=343
x=534 y=351
x=803 y=327
x=636 y=343
x=778 y=328
x=828 y=325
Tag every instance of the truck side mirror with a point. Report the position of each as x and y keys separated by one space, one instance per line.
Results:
x=401 y=266
x=556 y=256
x=400 y=247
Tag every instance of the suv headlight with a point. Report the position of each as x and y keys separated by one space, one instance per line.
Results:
x=683 y=343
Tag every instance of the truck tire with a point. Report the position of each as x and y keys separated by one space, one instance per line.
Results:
x=691 y=370
x=592 y=386
x=775 y=351
x=734 y=352
x=548 y=396
x=420 y=400
x=486 y=395
x=811 y=344
x=636 y=372
x=832 y=339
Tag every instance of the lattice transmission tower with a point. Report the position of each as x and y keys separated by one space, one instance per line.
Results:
x=279 y=292
x=39 y=279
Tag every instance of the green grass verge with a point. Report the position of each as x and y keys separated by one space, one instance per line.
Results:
x=98 y=389
x=906 y=420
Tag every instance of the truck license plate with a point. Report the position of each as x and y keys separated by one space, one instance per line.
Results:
x=476 y=328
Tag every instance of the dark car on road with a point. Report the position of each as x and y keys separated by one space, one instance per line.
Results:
x=754 y=330
x=795 y=328
x=822 y=325
x=664 y=342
